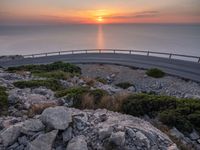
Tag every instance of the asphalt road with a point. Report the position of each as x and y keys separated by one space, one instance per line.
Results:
x=181 y=68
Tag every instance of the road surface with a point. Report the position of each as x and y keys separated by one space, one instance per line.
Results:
x=181 y=68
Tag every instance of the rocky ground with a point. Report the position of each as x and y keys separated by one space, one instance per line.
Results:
x=72 y=129
x=168 y=85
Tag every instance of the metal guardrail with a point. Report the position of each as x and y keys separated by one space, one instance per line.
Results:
x=138 y=52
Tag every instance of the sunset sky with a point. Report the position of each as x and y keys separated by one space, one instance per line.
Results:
x=99 y=11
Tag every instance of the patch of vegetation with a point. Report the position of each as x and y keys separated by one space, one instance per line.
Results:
x=97 y=95
x=51 y=84
x=61 y=66
x=141 y=104
x=3 y=100
x=124 y=85
x=181 y=113
x=102 y=80
x=175 y=118
x=55 y=75
x=156 y=73
x=83 y=97
x=74 y=93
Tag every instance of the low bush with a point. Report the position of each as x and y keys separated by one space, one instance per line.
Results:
x=3 y=100
x=124 y=85
x=51 y=84
x=184 y=114
x=156 y=73
x=173 y=118
x=66 y=67
x=141 y=104
x=194 y=118
x=72 y=92
x=55 y=75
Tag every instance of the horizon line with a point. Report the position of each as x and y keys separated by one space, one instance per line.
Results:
x=137 y=23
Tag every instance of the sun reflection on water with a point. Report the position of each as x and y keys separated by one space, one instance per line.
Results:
x=100 y=37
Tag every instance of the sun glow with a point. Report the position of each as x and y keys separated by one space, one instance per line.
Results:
x=100 y=19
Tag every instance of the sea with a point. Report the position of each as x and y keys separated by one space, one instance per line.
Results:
x=169 y=38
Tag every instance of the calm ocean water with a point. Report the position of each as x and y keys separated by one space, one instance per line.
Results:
x=183 y=39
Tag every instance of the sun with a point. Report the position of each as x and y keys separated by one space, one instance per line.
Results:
x=100 y=19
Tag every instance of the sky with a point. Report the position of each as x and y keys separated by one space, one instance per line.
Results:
x=98 y=11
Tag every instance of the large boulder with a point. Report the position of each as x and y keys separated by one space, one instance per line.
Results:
x=43 y=141
x=57 y=117
x=142 y=139
x=32 y=125
x=10 y=135
x=117 y=138
x=105 y=132
x=77 y=143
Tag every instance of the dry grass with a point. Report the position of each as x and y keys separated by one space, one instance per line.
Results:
x=87 y=102
x=113 y=103
x=89 y=81
x=23 y=73
x=38 y=108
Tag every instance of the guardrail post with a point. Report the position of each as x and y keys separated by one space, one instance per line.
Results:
x=72 y=52
x=33 y=56
x=170 y=56
x=46 y=54
x=130 y=52
x=99 y=51
x=86 y=51
x=114 y=51
x=199 y=60
x=58 y=53
x=148 y=53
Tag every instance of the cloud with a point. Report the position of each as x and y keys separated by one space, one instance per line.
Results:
x=146 y=14
x=143 y=14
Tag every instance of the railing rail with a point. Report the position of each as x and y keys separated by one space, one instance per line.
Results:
x=122 y=51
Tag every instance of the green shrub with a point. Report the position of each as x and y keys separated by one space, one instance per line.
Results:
x=194 y=118
x=55 y=75
x=156 y=73
x=3 y=100
x=124 y=85
x=98 y=94
x=192 y=105
x=66 y=67
x=51 y=84
x=184 y=114
x=174 y=118
x=102 y=80
x=141 y=104
x=72 y=92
